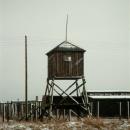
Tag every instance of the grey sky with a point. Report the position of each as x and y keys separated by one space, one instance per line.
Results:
x=102 y=27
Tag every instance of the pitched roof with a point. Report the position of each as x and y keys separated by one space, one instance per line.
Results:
x=66 y=46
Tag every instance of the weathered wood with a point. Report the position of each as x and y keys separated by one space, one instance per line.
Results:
x=69 y=114
x=36 y=107
x=69 y=95
x=120 y=109
x=64 y=113
x=91 y=108
x=46 y=91
x=51 y=100
x=0 y=109
x=98 y=109
x=26 y=80
x=11 y=110
x=3 y=116
x=22 y=109
x=7 y=111
x=57 y=113
x=128 y=110
x=65 y=92
x=58 y=67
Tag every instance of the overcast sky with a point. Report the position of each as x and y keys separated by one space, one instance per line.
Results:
x=102 y=27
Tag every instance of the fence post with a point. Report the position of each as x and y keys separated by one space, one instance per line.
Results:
x=3 y=112
x=91 y=108
x=120 y=109
x=7 y=111
x=36 y=107
x=69 y=114
x=98 y=109
x=11 y=110
x=63 y=113
x=0 y=108
x=57 y=113
x=128 y=109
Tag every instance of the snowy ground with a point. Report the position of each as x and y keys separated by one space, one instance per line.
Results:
x=84 y=124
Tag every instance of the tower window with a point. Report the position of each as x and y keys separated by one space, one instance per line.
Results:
x=67 y=58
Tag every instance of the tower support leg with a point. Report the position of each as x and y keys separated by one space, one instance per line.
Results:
x=68 y=98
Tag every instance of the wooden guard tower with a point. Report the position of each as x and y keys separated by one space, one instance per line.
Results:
x=66 y=62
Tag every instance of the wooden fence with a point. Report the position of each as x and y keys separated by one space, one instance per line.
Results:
x=16 y=110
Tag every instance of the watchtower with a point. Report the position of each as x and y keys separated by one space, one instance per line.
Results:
x=66 y=62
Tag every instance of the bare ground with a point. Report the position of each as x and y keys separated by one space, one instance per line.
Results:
x=83 y=124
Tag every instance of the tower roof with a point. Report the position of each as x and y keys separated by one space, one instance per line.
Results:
x=66 y=46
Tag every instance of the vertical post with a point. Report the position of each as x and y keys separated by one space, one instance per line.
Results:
x=128 y=109
x=85 y=95
x=91 y=108
x=84 y=91
x=51 y=100
x=3 y=112
x=39 y=108
x=26 y=83
x=31 y=108
x=7 y=111
x=57 y=113
x=36 y=107
x=69 y=114
x=0 y=108
x=63 y=113
x=22 y=109
x=15 y=110
x=120 y=109
x=47 y=87
x=98 y=109
x=11 y=110
x=18 y=108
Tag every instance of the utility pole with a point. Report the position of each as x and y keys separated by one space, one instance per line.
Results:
x=26 y=81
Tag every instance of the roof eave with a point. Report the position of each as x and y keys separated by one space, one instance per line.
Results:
x=65 y=51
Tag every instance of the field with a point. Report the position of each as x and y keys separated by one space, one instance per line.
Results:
x=82 y=124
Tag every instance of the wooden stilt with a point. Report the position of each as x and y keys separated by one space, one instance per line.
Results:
x=120 y=110
x=69 y=114
x=36 y=107
x=128 y=110
x=39 y=109
x=98 y=109
x=51 y=99
x=70 y=94
x=0 y=109
x=11 y=110
x=57 y=113
x=46 y=91
x=7 y=111
x=91 y=108
x=22 y=110
x=63 y=113
x=3 y=112
x=66 y=96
